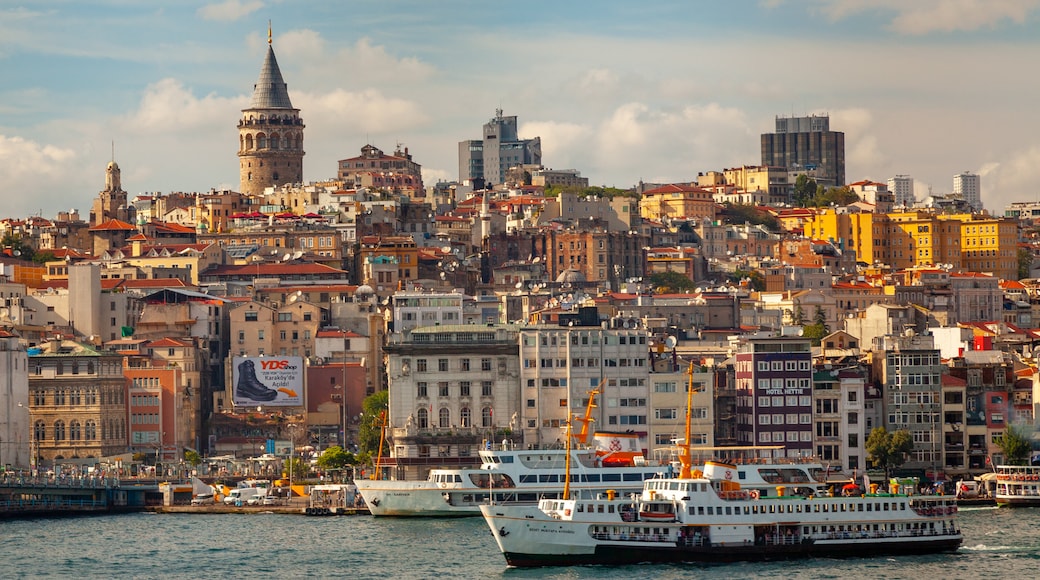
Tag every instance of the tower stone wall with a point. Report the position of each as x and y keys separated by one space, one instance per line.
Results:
x=270 y=134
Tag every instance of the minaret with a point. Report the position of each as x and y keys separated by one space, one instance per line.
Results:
x=270 y=133
x=485 y=217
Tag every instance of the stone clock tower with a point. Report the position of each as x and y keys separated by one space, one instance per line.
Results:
x=270 y=133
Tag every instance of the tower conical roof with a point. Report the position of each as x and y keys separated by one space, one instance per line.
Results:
x=270 y=90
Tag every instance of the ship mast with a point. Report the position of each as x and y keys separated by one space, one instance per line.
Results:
x=583 y=435
x=685 y=462
x=567 y=465
x=382 y=437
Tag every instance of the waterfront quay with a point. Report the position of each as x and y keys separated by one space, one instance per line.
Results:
x=23 y=494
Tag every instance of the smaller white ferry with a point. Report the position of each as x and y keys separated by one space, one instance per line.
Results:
x=1018 y=485
x=702 y=518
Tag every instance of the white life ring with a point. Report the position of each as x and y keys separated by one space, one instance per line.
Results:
x=753 y=494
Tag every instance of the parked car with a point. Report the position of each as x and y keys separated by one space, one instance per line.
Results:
x=242 y=495
x=203 y=499
x=262 y=500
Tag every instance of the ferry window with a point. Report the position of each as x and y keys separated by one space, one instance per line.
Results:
x=581 y=507
x=611 y=477
x=610 y=509
x=816 y=508
x=633 y=477
x=859 y=507
x=524 y=478
x=600 y=508
x=747 y=510
x=729 y=511
x=700 y=510
x=711 y=511
x=594 y=477
x=870 y=507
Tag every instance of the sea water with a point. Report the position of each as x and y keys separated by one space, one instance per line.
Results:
x=998 y=543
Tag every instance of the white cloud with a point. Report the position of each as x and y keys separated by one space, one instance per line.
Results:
x=1014 y=179
x=229 y=10
x=170 y=107
x=648 y=143
x=862 y=149
x=36 y=176
x=925 y=16
x=369 y=110
x=599 y=79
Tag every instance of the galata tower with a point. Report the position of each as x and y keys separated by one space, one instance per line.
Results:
x=270 y=133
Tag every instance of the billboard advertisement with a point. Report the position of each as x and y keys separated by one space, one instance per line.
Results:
x=269 y=381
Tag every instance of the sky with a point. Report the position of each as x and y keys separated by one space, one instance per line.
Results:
x=622 y=91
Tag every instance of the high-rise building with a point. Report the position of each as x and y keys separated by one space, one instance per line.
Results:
x=270 y=133
x=806 y=145
x=902 y=186
x=489 y=159
x=968 y=186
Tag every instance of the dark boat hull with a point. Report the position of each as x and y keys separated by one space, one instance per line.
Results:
x=620 y=555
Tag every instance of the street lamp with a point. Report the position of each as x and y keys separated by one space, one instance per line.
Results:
x=292 y=454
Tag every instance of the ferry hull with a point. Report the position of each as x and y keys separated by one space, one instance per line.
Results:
x=1018 y=501
x=406 y=499
x=621 y=555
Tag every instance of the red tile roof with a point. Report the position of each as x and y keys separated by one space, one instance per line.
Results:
x=112 y=225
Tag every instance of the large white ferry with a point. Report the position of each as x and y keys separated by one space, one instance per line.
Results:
x=510 y=476
x=1018 y=485
x=709 y=516
x=706 y=518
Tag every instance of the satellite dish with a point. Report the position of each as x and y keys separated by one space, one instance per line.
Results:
x=536 y=259
x=297 y=255
x=446 y=249
x=286 y=257
x=670 y=342
x=519 y=285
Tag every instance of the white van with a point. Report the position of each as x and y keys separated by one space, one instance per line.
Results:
x=242 y=495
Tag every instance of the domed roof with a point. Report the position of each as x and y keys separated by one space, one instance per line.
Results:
x=364 y=291
x=570 y=275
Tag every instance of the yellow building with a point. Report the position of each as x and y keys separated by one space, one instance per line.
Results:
x=966 y=242
x=677 y=200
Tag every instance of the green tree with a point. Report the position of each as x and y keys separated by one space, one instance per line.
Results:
x=757 y=281
x=13 y=245
x=1025 y=262
x=299 y=470
x=193 y=458
x=371 y=425
x=815 y=333
x=820 y=318
x=671 y=282
x=1014 y=445
x=835 y=195
x=336 y=457
x=742 y=213
x=799 y=314
x=888 y=450
x=804 y=189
